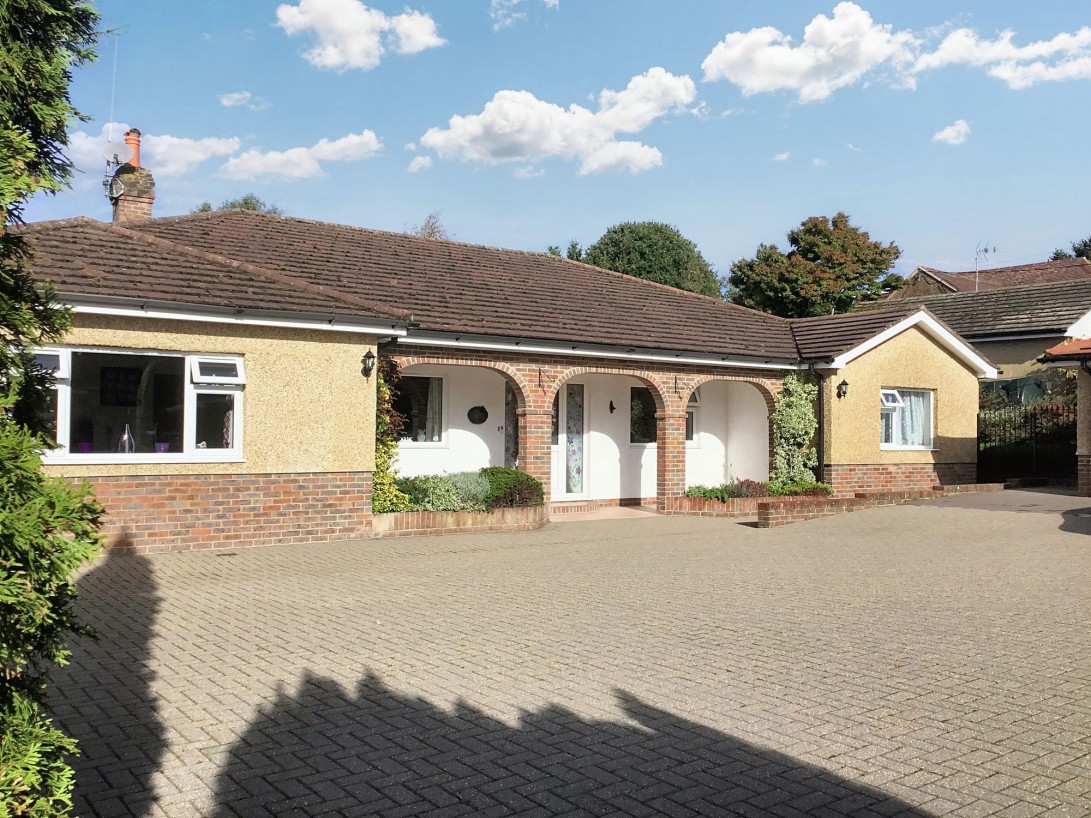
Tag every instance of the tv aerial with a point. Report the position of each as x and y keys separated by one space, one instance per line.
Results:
x=116 y=154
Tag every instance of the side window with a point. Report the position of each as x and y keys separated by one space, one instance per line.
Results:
x=905 y=419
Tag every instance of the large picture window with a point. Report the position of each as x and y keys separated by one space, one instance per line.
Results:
x=121 y=406
x=420 y=401
x=905 y=419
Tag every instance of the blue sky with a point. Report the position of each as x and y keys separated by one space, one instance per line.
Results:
x=532 y=122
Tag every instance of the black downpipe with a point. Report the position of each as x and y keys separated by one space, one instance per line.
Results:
x=820 y=473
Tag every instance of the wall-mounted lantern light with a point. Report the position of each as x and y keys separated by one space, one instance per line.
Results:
x=369 y=363
x=842 y=389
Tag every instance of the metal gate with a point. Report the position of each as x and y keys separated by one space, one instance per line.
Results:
x=1026 y=441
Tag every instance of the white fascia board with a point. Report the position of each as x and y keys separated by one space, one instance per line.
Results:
x=591 y=352
x=949 y=341
x=295 y=322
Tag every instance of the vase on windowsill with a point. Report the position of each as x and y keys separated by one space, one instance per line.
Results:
x=127 y=444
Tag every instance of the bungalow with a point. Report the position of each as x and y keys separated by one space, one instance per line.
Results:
x=216 y=387
x=925 y=281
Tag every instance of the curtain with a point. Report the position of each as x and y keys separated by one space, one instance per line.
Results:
x=915 y=426
x=433 y=419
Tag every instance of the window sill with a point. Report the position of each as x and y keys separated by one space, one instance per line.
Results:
x=886 y=448
x=651 y=445
x=423 y=444
x=111 y=459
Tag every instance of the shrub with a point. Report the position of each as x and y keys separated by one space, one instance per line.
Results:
x=794 y=425
x=385 y=496
x=810 y=487
x=35 y=779
x=509 y=488
x=473 y=486
x=431 y=492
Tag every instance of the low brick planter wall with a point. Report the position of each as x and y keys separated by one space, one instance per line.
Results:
x=412 y=523
x=737 y=507
x=786 y=510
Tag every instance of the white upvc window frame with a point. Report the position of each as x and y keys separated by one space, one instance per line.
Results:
x=235 y=386
x=444 y=441
x=887 y=407
x=693 y=416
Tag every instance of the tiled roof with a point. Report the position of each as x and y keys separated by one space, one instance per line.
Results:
x=1069 y=350
x=462 y=288
x=83 y=257
x=1044 y=272
x=827 y=336
x=1039 y=308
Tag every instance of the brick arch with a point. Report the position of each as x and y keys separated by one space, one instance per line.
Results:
x=659 y=392
x=510 y=373
x=767 y=389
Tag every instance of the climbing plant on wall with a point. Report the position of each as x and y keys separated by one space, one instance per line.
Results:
x=385 y=495
x=794 y=425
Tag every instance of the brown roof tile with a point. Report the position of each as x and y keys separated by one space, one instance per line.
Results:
x=83 y=257
x=1029 y=309
x=825 y=337
x=1068 y=351
x=454 y=287
x=1044 y=272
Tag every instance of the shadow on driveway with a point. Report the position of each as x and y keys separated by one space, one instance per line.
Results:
x=322 y=751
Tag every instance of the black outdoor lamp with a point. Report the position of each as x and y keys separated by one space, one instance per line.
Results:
x=369 y=363
x=842 y=389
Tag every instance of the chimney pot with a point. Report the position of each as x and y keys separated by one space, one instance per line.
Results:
x=132 y=139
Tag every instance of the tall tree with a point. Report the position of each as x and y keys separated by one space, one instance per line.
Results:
x=47 y=526
x=831 y=265
x=653 y=251
x=1080 y=249
x=248 y=201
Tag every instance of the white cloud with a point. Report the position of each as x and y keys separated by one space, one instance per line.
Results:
x=853 y=148
x=420 y=163
x=818 y=163
x=1064 y=57
x=953 y=134
x=164 y=155
x=528 y=172
x=835 y=52
x=244 y=99
x=410 y=146
x=301 y=163
x=782 y=157
x=506 y=12
x=349 y=34
x=517 y=126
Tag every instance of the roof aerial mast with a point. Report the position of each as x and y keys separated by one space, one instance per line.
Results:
x=980 y=251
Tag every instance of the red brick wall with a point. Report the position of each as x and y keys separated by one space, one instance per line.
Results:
x=846 y=480
x=185 y=512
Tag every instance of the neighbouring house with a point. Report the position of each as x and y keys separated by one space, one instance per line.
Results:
x=1011 y=326
x=925 y=281
x=215 y=389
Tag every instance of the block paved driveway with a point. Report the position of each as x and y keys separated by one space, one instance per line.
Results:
x=932 y=659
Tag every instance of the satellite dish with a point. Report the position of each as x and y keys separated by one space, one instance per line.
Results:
x=117 y=153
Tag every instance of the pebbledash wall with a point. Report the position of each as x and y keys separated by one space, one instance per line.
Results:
x=853 y=459
x=307 y=437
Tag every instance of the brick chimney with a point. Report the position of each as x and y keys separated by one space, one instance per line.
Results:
x=132 y=189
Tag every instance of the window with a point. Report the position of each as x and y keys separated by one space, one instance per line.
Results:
x=120 y=406
x=420 y=401
x=641 y=415
x=691 y=416
x=905 y=419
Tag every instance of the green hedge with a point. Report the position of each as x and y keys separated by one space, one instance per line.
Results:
x=754 y=488
x=492 y=487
